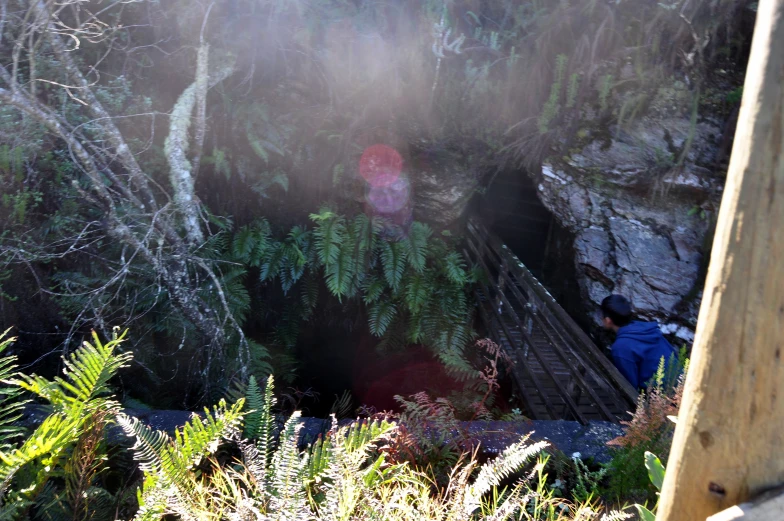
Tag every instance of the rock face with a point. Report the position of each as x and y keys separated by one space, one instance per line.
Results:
x=443 y=183
x=640 y=204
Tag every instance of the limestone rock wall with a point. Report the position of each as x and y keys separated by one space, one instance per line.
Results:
x=640 y=203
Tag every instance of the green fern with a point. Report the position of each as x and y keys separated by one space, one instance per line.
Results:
x=253 y=418
x=74 y=399
x=454 y=268
x=415 y=245
x=168 y=463
x=11 y=402
x=380 y=316
x=393 y=258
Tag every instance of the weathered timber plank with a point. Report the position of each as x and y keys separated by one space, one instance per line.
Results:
x=729 y=437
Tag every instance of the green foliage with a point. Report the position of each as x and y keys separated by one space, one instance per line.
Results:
x=409 y=281
x=656 y=474
x=67 y=443
x=572 y=90
x=168 y=463
x=655 y=470
x=605 y=87
x=552 y=107
x=11 y=401
x=348 y=474
x=12 y=162
x=587 y=481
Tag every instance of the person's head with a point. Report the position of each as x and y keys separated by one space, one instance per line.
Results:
x=616 y=312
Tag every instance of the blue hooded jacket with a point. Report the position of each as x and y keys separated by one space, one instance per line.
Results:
x=637 y=351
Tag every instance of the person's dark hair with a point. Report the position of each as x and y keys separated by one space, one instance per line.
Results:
x=617 y=309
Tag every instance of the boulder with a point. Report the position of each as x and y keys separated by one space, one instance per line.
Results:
x=443 y=183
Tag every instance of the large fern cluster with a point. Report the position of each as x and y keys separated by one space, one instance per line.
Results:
x=347 y=475
x=413 y=286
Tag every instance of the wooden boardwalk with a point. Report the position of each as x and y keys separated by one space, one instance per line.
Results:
x=559 y=371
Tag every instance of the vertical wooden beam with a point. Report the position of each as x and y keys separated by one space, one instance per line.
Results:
x=729 y=441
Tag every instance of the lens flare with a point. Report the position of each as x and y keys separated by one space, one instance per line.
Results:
x=390 y=198
x=380 y=165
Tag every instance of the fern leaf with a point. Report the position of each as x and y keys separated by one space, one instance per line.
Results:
x=51 y=438
x=493 y=472
x=373 y=288
x=288 y=470
x=88 y=372
x=244 y=243
x=255 y=403
x=393 y=259
x=454 y=268
x=416 y=245
x=380 y=317
x=309 y=293
x=329 y=234
x=11 y=402
x=416 y=293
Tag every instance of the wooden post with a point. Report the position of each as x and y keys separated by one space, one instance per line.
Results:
x=729 y=441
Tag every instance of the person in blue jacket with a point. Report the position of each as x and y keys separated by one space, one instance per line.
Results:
x=639 y=346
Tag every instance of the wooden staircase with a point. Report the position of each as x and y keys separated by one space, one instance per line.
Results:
x=559 y=371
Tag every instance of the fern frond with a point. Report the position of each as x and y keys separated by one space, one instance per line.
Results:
x=416 y=292
x=393 y=259
x=200 y=437
x=329 y=232
x=373 y=288
x=288 y=471
x=310 y=292
x=51 y=438
x=415 y=245
x=244 y=243
x=455 y=268
x=88 y=371
x=380 y=317
x=255 y=404
x=11 y=402
x=265 y=432
x=493 y=472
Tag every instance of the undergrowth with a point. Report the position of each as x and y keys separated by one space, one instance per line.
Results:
x=235 y=462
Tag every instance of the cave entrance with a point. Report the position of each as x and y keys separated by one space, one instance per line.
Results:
x=511 y=209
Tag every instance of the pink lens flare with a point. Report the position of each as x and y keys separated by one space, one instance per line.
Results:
x=390 y=198
x=380 y=165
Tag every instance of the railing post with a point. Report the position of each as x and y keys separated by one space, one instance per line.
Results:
x=729 y=437
x=500 y=285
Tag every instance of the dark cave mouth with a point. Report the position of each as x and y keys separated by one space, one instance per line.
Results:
x=334 y=361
